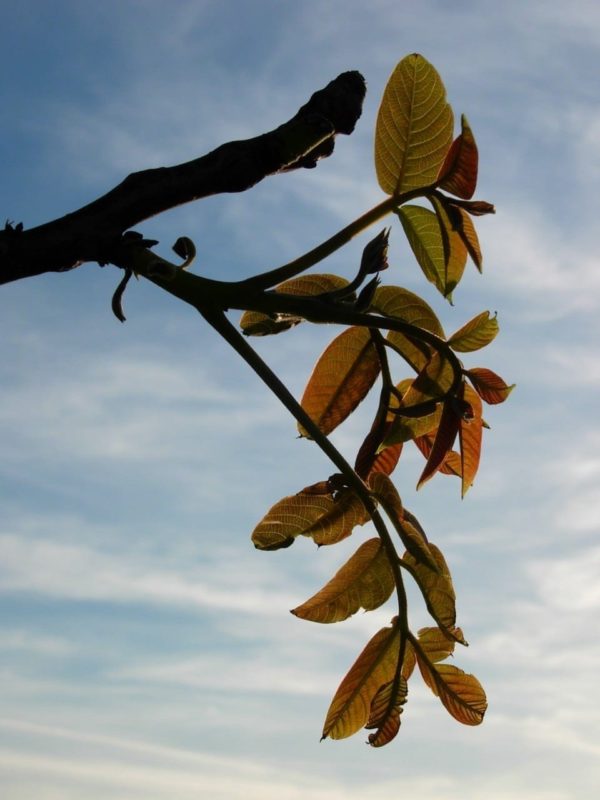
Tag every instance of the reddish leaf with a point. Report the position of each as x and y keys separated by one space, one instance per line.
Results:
x=341 y=379
x=489 y=386
x=470 y=433
x=365 y=581
x=385 y=713
x=458 y=174
x=442 y=444
x=451 y=462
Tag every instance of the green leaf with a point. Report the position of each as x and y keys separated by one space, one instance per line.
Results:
x=255 y=323
x=475 y=334
x=365 y=581
x=414 y=127
x=402 y=304
x=341 y=379
x=325 y=519
x=350 y=708
x=422 y=229
x=455 y=249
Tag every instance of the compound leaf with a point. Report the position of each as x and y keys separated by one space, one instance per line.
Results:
x=365 y=581
x=414 y=127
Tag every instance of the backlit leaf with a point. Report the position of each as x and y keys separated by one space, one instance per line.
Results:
x=422 y=229
x=404 y=428
x=325 y=519
x=414 y=127
x=410 y=532
x=462 y=694
x=393 y=301
x=455 y=249
x=442 y=444
x=470 y=432
x=341 y=378
x=475 y=334
x=450 y=465
x=255 y=323
x=365 y=581
x=489 y=386
x=385 y=713
x=350 y=708
x=437 y=590
x=435 y=644
x=458 y=174
x=469 y=236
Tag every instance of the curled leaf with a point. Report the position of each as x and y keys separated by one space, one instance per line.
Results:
x=365 y=581
x=458 y=174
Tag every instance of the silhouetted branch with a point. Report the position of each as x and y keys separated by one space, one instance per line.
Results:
x=90 y=233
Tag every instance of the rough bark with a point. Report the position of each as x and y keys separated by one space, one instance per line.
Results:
x=93 y=231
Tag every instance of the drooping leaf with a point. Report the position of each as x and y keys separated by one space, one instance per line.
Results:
x=422 y=229
x=402 y=304
x=414 y=127
x=325 y=519
x=341 y=378
x=437 y=590
x=475 y=334
x=435 y=644
x=365 y=581
x=385 y=713
x=442 y=444
x=255 y=323
x=470 y=432
x=350 y=708
x=462 y=694
x=458 y=174
x=469 y=236
x=403 y=428
x=455 y=249
x=489 y=386
x=451 y=463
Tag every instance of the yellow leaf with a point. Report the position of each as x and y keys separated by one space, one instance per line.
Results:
x=350 y=708
x=385 y=713
x=436 y=645
x=325 y=519
x=393 y=301
x=414 y=127
x=475 y=334
x=255 y=323
x=341 y=378
x=365 y=581
x=470 y=433
x=437 y=590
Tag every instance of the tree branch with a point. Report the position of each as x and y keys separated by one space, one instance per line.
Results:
x=90 y=233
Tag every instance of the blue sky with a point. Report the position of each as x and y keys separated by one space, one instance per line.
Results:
x=146 y=649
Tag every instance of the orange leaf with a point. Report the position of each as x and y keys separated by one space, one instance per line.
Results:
x=341 y=379
x=365 y=581
x=461 y=694
x=470 y=432
x=451 y=462
x=325 y=519
x=458 y=174
x=435 y=644
x=376 y=665
x=489 y=386
x=469 y=236
x=385 y=713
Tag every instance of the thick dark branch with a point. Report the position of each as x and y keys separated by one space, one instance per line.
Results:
x=90 y=233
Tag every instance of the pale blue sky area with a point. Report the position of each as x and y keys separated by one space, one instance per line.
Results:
x=146 y=648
